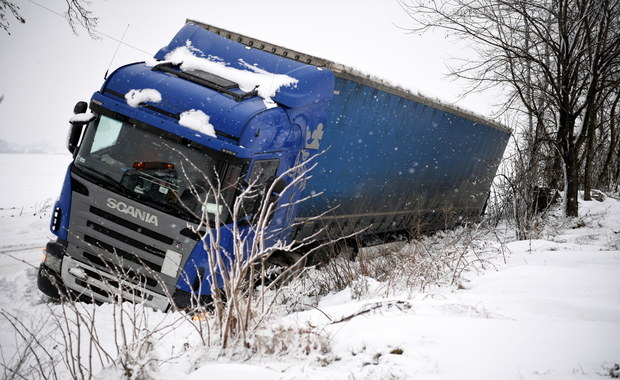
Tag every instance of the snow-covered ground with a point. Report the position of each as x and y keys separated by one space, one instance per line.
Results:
x=542 y=309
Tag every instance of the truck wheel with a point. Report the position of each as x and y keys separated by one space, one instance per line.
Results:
x=49 y=282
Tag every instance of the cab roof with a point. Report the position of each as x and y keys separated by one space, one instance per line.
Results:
x=228 y=106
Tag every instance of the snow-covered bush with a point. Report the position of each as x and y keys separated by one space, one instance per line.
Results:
x=80 y=340
x=417 y=265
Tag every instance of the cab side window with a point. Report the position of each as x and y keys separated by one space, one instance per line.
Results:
x=263 y=172
x=262 y=175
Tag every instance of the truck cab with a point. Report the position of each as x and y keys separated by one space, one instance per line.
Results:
x=163 y=153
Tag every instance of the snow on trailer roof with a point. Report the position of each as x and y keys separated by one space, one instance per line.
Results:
x=347 y=72
x=288 y=82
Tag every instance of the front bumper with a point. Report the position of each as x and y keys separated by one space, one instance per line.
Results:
x=61 y=276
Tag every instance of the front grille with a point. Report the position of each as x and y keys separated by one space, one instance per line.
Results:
x=118 y=268
x=125 y=239
x=124 y=248
x=132 y=226
x=113 y=286
x=122 y=254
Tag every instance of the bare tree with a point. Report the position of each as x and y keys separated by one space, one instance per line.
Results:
x=7 y=7
x=556 y=58
x=77 y=14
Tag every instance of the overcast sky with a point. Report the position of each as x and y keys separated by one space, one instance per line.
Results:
x=45 y=68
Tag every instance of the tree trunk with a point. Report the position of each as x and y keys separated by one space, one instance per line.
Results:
x=607 y=177
x=587 y=177
x=570 y=155
x=616 y=187
x=571 y=163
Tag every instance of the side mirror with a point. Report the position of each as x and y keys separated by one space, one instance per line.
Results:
x=75 y=131
x=77 y=125
x=80 y=107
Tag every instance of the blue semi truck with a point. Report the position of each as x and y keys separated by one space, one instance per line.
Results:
x=215 y=106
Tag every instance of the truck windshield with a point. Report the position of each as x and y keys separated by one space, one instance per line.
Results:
x=158 y=169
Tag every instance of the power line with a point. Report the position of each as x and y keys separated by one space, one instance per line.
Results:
x=95 y=30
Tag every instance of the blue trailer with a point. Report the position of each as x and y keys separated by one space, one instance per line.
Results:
x=215 y=106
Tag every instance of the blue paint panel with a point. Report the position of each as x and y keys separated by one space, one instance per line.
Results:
x=199 y=261
x=271 y=131
x=388 y=154
x=64 y=205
